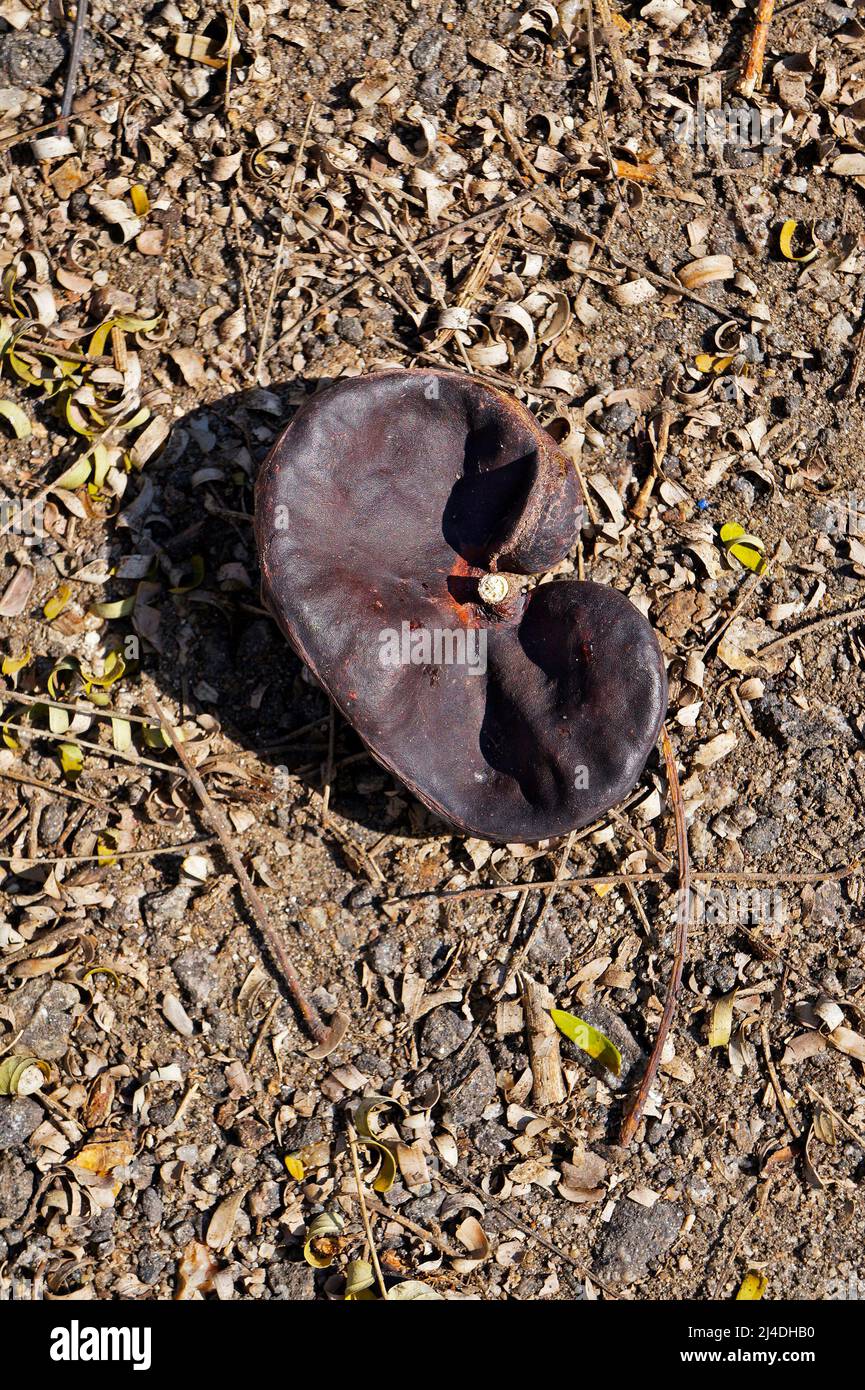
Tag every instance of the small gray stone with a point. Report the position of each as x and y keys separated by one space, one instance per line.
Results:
x=167 y=909
x=52 y=822
x=468 y=1085
x=636 y=1239
x=292 y=1282
x=265 y=1199
x=30 y=60
x=350 y=329
x=151 y=1206
x=386 y=956
x=426 y=51
x=16 y=1187
x=150 y=1266
x=301 y=1134
x=551 y=944
x=195 y=971
x=619 y=418
x=491 y=1139
x=424 y=1209
x=763 y=836
x=839 y=329
x=47 y=1033
x=442 y=1033
x=19 y=1116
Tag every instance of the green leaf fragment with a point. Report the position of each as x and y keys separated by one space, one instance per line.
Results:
x=588 y=1039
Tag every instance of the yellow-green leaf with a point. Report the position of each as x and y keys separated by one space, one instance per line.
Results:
x=21 y=1076
x=105 y=852
x=21 y=426
x=785 y=241
x=385 y=1176
x=721 y=1024
x=115 y=608
x=121 y=735
x=132 y=324
x=102 y=970
x=196 y=565
x=140 y=200
x=588 y=1039
x=413 y=1291
x=113 y=670
x=71 y=760
x=322 y=1239
x=75 y=476
x=753 y=1286
x=747 y=549
x=13 y=664
x=57 y=602
x=295 y=1167
x=359 y=1280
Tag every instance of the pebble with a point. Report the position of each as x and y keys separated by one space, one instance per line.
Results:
x=350 y=329
x=292 y=1282
x=194 y=969
x=16 y=1187
x=47 y=1033
x=468 y=1085
x=52 y=822
x=619 y=418
x=30 y=60
x=19 y=1116
x=443 y=1031
x=763 y=836
x=636 y=1239
x=551 y=944
x=839 y=329
x=167 y=909
x=150 y=1266
x=386 y=956
x=152 y=1206
x=426 y=51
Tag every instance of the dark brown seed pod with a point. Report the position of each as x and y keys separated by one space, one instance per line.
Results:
x=394 y=518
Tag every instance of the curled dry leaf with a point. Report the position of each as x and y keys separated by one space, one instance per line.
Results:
x=705 y=271
x=633 y=293
x=490 y=54
x=717 y=748
x=222 y=1222
x=22 y=1076
x=323 y=1239
x=195 y=1272
x=721 y=1025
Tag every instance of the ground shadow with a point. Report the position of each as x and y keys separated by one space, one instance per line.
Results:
x=216 y=650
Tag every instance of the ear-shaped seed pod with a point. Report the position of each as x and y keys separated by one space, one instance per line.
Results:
x=395 y=517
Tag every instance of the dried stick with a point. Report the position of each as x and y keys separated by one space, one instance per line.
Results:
x=314 y=1025
x=75 y=54
x=373 y=1253
x=548 y=1083
x=853 y=616
x=634 y=1110
x=776 y=1083
x=753 y=74
x=596 y=90
x=627 y=91
x=277 y=265
x=229 y=58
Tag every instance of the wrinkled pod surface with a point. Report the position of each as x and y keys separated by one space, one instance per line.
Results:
x=397 y=517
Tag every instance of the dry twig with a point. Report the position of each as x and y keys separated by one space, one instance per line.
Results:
x=314 y=1025
x=634 y=1110
x=753 y=74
